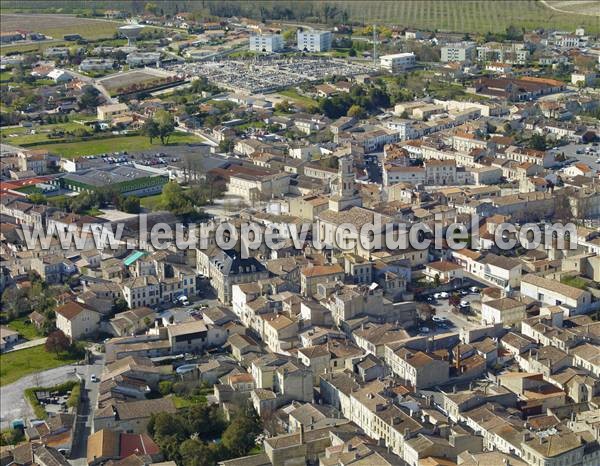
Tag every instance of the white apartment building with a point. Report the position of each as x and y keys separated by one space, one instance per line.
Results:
x=460 y=51
x=266 y=43
x=406 y=129
x=96 y=64
x=398 y=62
x=554 y=293
x=314 y=41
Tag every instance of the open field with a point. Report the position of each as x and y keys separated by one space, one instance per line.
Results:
x=292 y=94
x=17 y=364
x=57 y=26
x=581 y=7
x=123 y=80
x=114 y=144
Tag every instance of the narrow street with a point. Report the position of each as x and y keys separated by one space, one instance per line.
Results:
x=85 y=416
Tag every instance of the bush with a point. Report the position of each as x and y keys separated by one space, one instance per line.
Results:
x=75 y=397
x=165 y=387
x=11 y=437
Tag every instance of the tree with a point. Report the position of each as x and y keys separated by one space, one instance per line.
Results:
x=289 y=35
x=151 y=7
x=131 y=205
x=538 y=142
x=454 y=300
x=513 y=33
x=57 y=342
x=89 y=98
x=356 y=111
x=196 y=453
x=283 y=106
x=150 y=129
x=240 y=437
x=38 y=198
x=120 y=305
x=425 y=311
x=226 y=145
x=166 y=125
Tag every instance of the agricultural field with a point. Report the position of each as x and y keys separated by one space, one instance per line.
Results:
x=581 y=7
x=135 y=143
x=57 y=26
x=473 y=16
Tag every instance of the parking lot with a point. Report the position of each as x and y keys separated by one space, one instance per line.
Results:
x=263 y=74
x=447 y=319
x=591 y=158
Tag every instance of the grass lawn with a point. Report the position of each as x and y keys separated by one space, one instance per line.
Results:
x=298 y=98
x=151 y=202
x=93 y=212
x=19 y=136
x=114 y=144
x=576 y=282
x=25 y=328
x=188 y=401
x=17 y=364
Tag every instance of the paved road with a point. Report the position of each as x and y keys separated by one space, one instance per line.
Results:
x=85 y=415
x=14 y=406
x=99 y=87
x=28 y=344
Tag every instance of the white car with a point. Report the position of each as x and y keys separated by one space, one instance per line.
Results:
x=444 y=295
x=439 y=319
x=437 y=295
x=474 y=289
x=464 y=303
x=93 y=378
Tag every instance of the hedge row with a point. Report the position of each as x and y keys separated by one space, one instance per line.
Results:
x=72 y=385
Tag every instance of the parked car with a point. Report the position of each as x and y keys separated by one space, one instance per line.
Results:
x=444 y=295
x=439 y=319
x=93 y=378
x=424 y=329
x=474 y=289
